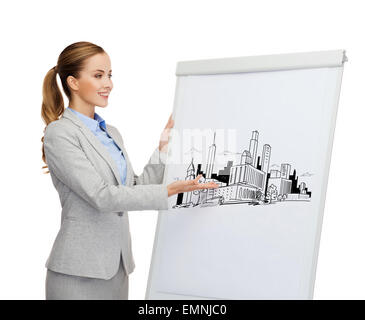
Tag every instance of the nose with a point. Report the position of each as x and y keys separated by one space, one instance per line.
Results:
x=107 y=87
x=108 y=84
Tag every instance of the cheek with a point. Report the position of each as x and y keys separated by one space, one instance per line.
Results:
x=90 y=87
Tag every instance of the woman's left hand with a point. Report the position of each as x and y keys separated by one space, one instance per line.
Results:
x=164 y=139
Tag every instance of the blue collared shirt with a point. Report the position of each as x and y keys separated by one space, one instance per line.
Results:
x=98 y=128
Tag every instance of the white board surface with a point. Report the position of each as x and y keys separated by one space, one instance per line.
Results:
x=261 y=240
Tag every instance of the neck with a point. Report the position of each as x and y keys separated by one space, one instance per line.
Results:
x=83 y=107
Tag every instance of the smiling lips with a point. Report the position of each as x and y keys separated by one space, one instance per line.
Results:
x=104 y=94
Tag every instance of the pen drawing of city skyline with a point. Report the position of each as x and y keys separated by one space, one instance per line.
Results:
x=253 y=181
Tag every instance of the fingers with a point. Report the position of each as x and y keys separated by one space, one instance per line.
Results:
x=170 y=123
x=208 y=185
x=194 y=184
x=196 y=180
x=202 y=186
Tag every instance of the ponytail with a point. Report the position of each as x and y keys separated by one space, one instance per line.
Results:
x=70 y=62
x=52 y=105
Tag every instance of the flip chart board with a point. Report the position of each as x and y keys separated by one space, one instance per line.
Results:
x=262 y=128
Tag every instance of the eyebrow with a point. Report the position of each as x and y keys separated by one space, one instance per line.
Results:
x=101 y=70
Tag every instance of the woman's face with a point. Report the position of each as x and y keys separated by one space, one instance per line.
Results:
x=94 y=85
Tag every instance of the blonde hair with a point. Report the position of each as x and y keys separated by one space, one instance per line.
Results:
x=70 y=62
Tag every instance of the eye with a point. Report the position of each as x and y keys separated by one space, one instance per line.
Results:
x=97 y=76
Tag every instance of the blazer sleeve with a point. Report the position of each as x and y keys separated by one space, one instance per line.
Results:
x=68 y=162
x=153 y=171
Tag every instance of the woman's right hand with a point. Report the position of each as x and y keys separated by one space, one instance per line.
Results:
x=189 y=185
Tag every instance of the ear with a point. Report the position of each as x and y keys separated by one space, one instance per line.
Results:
x=72 y=83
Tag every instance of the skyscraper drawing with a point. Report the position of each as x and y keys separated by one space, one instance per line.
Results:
x=285 y=170
x=190 y=175
x=211 y=157
x=302 y=188
x=253 y=146
x=266 y=153
x=246 y=157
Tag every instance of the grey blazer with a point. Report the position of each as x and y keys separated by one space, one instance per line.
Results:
x=94 y=230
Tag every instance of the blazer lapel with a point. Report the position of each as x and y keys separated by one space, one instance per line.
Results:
x=119 y=143
x=94 y=141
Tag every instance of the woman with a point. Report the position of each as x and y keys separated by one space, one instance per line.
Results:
x=91 y=257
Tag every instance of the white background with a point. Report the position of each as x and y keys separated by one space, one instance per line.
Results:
x=145 y=39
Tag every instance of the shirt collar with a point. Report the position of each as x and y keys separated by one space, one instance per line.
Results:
x=92 y=124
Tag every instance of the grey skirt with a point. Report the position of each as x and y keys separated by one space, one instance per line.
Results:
x=60 y=286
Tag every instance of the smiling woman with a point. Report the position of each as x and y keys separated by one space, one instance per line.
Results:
x=85 y=72
x=91 y=257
